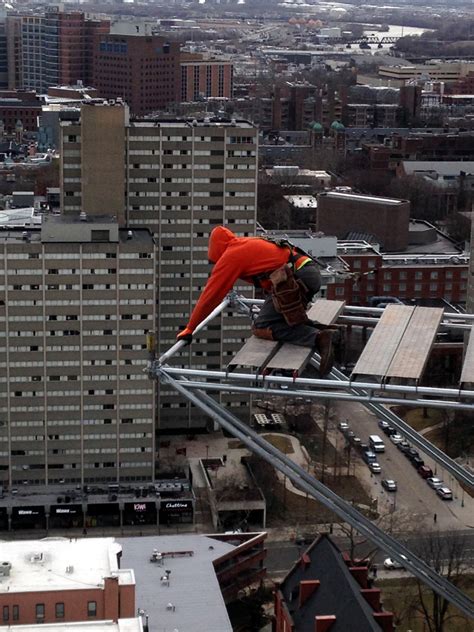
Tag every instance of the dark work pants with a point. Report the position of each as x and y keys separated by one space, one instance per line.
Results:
x=302 y=335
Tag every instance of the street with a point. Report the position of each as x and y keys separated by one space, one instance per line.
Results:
x=414 y=503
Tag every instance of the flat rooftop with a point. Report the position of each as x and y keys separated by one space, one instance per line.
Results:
x=302 y=201
x=193 y=588
x=369 y=199
x=122 y=625
x=61 y=564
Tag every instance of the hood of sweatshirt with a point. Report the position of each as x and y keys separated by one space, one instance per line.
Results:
x=220 y=238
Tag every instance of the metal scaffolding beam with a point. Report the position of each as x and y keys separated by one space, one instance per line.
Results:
x=374 y=396
x=320 y=492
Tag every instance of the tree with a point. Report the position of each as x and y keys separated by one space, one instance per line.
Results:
x=448 y=555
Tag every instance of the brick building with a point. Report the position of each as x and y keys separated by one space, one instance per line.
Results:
x=21 y=106
x=143 y=70
x=64 y=580
x=385 y=218
x=50 y=48
x=407 y=276
x=326 y=591
x=204 y=77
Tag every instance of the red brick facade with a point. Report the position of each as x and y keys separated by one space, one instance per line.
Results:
x=142 y=70
x=112 y=602
x=205 y=78
x=409 y=280
x=19 y=106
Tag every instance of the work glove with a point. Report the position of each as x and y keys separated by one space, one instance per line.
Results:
x=186 y=335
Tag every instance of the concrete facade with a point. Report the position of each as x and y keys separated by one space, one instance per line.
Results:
x=181 y=179
x=76 y=302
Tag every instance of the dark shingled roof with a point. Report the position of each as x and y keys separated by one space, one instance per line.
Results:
x=338 y=593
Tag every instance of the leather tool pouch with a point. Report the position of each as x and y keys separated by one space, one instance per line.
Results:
x=288 y=296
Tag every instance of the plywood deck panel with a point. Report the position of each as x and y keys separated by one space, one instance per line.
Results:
x=255 y=353
x=290 y=357
x=467 y=374
x=377 y=355
x=412 y=354
x=325 y=312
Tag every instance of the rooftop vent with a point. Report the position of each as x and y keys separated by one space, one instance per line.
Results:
x=69 y=570
x=5 y=568
x=37 y=558
x=129 y=234
x=83 y=216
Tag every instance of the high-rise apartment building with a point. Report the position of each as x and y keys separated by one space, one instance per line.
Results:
x=141 y=69
x=50 y=48
x=204 y=77
x=179 y=179
x=77 y=298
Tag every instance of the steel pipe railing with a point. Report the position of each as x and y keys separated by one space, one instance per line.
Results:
x=429 y=391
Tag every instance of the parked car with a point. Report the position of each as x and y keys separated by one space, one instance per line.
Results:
x=403 y=446
x=374 y=467
x=349 y=434
x=363 y=447
x=389 y=484
x=389 y=430
x=445 y=493
x=411 y=453
x=383 y=424
x=435 y=482
x=391 y=564
x=356 y=441
x=396 y=438
x=369 y=457
x=425 y=472
x=343 y=426
x=417 y=462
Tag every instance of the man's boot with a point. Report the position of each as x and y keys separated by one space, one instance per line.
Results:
x=264 y=333
x=325 y=350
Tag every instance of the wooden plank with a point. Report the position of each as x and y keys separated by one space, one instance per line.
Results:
x=325 y=312
x=412 y=354
x=290 y=358
x=467 y=374
x=254 y=353
x=383 y=343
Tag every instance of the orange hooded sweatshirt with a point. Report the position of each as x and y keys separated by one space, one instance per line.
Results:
x=235 y=258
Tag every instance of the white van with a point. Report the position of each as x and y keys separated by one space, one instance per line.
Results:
x=376 y=443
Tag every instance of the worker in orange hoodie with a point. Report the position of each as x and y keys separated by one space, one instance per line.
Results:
x=270 y=267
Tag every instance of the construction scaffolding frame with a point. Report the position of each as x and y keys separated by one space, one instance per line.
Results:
x=194 y=385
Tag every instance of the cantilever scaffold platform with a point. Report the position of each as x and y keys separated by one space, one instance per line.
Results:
x=399 y=347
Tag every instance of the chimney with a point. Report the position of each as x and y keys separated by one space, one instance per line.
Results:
x=305 y=561
x=372 y=597
x=111 y=598
x=307 y=588
x=360 y=574
x=322 y=623
x=385 y=620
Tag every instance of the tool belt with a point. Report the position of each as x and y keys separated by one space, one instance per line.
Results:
x=288 y=295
